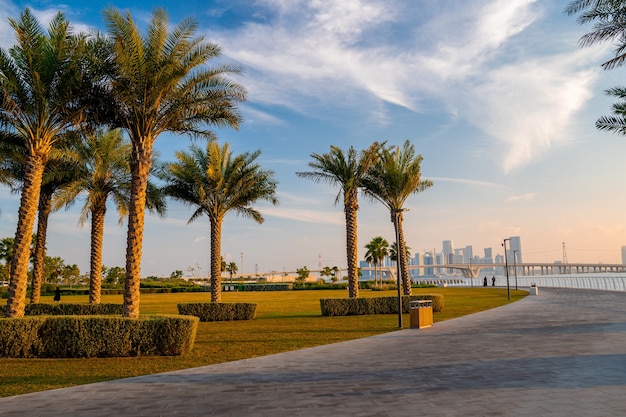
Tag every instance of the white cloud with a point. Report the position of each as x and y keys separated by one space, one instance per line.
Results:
x=469 y=182
x=308 y=216
x=522 y=197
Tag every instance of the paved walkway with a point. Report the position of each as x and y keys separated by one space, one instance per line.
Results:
x=560 y=354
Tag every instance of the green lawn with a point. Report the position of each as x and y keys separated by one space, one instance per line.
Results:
x=285 y=320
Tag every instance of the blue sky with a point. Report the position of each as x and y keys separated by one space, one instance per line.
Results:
x=496 y=95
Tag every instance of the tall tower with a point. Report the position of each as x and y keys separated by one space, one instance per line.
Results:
x=515 y=250
x=564 y=254
x=448 y=251
x=624 y=255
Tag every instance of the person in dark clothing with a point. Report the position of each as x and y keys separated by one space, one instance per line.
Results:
x=485 y=282
x=57 y=294
x=493 y=281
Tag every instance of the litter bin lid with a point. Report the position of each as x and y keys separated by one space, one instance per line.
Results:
x=420 y=303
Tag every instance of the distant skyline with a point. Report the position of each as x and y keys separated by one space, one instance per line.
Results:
x=496 y=95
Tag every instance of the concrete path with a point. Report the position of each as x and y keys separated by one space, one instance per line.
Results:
x=559 y=354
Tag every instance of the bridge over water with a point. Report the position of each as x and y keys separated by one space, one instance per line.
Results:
x=472 y=270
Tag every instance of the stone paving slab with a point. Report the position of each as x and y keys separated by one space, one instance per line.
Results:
x=559 y=354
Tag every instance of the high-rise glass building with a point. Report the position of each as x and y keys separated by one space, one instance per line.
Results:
x=624 y=255
x=514 y=250
x=448 y=251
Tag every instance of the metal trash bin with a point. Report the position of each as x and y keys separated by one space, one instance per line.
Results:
x=421 y=313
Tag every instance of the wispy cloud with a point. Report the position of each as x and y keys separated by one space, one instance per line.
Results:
x=472 y=59
x=521 y=197
x=469 y=182
x=308 y=216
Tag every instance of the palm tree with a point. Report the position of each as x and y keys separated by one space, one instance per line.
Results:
x=57 y=173
x=395 y=176
x=162 y=84
x=6 y=252
x=231 y=268
x=610 y=25
x=39 y=80
x=377 y=250
x=215 y=182
x=101 y=171
x=346 y=170
x=393 y=252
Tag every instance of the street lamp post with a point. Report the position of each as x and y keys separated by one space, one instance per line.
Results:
x=506 y=266
x=241 y=264
x=515 y=266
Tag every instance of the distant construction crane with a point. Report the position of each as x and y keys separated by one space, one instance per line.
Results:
x=564 y=254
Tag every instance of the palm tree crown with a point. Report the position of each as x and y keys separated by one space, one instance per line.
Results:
x=216 y=183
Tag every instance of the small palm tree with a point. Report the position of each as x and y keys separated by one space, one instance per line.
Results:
x=377 y=250
x=232 y=269
x=392 y=180
x=216 y=182
x=162 y=84
x=346 y=170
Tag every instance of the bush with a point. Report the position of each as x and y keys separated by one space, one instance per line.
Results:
x=73 y=309
x=218 y=311
x=96 y=336
x=375 y=305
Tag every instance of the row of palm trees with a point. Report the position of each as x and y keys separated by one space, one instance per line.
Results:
x=388 y=174
x=378 y=249
x=66 y=101
x=58 y=87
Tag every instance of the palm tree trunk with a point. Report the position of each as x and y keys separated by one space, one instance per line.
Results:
x=352 y=250
x=45 y=207
x=16 y=300
x=140 y=163
x=216 y=265
x=97 y=232
x=401 y=257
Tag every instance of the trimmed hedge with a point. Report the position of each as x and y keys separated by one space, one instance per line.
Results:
x=96 y=336
x=61 y=309
x=375 y=305
x=218 y=311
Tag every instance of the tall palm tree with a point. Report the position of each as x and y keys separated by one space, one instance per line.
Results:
x=162 y=84
x=392 y=180
x=39 y=80
x=215 y=182
x=57 y=173
x=377 y=250
x=346 y=170
x=101 y=171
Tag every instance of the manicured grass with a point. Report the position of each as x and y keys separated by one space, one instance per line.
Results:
x=285 y=320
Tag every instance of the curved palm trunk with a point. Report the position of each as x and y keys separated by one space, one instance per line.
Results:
x=45 y=207
x=140 y=163
x=21 y=251
x=97 y=231
x=352 y=250
x=216 y=265
x=401 y=257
